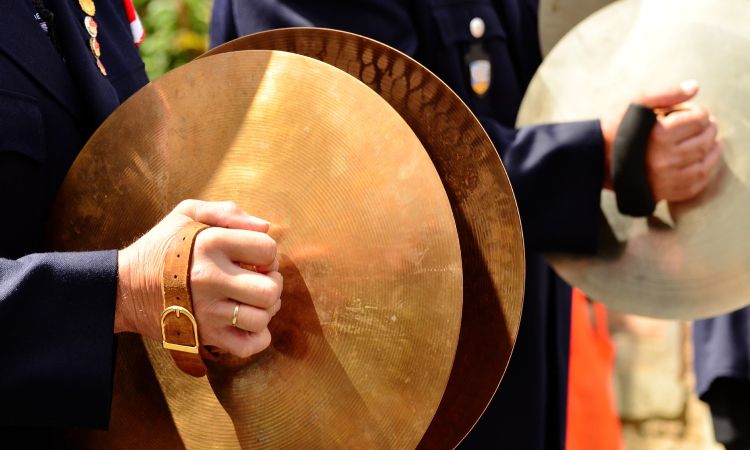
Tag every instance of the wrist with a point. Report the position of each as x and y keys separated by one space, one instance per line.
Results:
x=124 y=300
x=138 y=301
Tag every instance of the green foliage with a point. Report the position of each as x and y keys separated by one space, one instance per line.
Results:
x=176 y=32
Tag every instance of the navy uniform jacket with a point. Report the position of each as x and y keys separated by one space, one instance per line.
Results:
x=722 y=372
x=56 y=310
x=556 y=171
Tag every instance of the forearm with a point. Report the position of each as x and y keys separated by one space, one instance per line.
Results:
x=57 y=321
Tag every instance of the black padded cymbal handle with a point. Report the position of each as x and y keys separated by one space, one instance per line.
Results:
x=629 y=175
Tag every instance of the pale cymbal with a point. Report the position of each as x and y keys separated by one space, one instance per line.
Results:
x=363 y=347
x=692 y=260
x=557 y=17
x=483 y=205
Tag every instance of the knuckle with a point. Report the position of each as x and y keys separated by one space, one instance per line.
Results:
x=254 y=343
x=230 y=207
x=680 y=159
x=702 y=116
x=207 y=309
x=186 y=205
x=263 y=318
x=263 y=340
x=201 y=273
x=280 y=282
x=266 y=248
x=664 y=164
x=209 y=238
x=268 y=293
x=276 y=308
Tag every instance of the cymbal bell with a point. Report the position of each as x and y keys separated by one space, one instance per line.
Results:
x=691 y=260
x=486 y=216
x=363 y=347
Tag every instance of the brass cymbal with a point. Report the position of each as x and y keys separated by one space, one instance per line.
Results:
x=692 y=259
x=363 y=347
x=483 y=205
x=558 y=17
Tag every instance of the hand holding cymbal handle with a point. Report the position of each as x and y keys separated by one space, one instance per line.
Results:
x=663 y=149
x=230 y=304
x=179 y=329
x=629 y=177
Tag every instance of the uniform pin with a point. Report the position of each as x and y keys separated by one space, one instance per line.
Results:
x=101 y=67
x=476 y=27
x=87 y=6
x=478 y=60
x=95 y=48
x=91 y=26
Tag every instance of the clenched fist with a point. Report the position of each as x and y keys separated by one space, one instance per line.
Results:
x=683 y=147
x=234 y=263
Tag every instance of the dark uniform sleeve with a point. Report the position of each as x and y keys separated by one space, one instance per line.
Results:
x=557 y=173
x=722 y=370
x=56 y=309
x=56 y=324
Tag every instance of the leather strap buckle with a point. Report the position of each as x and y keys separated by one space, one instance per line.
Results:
x=177 y=310
x=180 y=335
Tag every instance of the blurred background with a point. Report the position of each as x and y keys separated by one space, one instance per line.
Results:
x=176 y=32
x=653 y=381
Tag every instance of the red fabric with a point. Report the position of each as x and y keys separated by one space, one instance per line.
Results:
x=136 y=27
x=129 y=10
x=593 y=423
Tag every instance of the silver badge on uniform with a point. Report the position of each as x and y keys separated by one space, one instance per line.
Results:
x=478 y=60
x=480 y=73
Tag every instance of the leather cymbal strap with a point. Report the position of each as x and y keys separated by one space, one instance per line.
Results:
x=178 y=325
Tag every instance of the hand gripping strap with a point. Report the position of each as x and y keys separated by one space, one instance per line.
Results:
x=629 y=175
x=178 y=325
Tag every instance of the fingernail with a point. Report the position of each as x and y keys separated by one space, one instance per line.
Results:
x=689 y=86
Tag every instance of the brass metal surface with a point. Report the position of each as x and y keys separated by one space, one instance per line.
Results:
x=558 y=17
x=483 y=206
x=363 y=347
x=692 y=259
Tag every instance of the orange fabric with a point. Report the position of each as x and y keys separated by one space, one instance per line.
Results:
x=593 y=423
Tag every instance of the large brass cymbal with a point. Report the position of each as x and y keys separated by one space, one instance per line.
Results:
x=692 y=260
x=363 y=347
x=483 y=205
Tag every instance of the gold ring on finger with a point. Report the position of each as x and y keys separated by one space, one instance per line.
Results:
x=235 y=314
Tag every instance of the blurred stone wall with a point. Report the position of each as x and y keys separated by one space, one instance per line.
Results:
x=654 y=386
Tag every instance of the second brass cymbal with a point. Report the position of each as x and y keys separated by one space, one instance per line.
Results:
x=363 y=346
x=483 y=205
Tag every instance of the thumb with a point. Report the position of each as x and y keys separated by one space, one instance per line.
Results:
x=670 y=97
